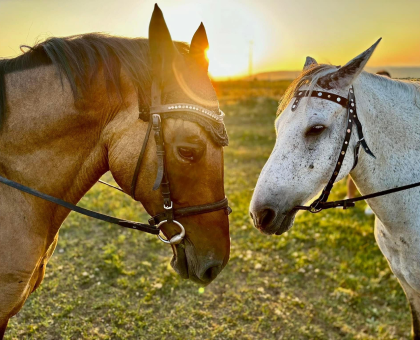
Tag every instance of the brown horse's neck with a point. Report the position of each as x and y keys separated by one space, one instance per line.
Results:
x=48 y=143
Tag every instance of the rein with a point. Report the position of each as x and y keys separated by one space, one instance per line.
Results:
x=162 y=181
x=350 y=104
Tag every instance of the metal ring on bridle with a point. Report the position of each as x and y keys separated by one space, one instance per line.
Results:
x=175 y=239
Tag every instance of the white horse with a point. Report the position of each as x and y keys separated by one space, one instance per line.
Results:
x=308 y=143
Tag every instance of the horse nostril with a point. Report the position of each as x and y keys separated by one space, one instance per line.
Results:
x=265 y=218
x=210 y=273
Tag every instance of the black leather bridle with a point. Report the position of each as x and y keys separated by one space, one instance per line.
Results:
x=350 y=104
x=169 y=214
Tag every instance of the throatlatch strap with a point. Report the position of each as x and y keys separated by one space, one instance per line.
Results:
x=361 y=141
x=139 y=161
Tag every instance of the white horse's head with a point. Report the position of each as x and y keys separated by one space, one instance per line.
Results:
x=307 y=145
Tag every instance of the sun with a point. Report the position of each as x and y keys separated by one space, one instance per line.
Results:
x=222 y=66
x=208 y=55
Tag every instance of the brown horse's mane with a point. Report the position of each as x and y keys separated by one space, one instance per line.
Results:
x=80 y=57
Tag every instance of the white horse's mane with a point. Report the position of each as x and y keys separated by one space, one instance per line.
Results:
x=411 y=88
x=311 y=76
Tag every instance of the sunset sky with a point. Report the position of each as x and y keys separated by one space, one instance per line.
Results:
x=283 y=32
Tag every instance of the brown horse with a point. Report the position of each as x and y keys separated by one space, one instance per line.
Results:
x=69 y=110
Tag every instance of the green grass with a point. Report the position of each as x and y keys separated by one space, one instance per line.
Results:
x=324 y=279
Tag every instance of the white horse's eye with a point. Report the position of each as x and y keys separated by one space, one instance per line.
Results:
x=315 y=130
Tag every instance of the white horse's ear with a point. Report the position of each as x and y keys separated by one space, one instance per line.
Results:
x=344 y=76
x=162 y=49
x=309 y=62
x=198 y=47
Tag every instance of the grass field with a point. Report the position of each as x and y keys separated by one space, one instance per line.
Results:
x=324 y=279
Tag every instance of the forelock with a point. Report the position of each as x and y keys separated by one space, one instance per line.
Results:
x=308 y=77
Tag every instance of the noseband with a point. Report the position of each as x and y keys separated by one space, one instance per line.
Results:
x=169 y=215
x=350 y=104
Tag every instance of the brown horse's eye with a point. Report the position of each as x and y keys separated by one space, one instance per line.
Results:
x=186 y=153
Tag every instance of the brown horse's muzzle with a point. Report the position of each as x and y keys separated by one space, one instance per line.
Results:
x=189 y=265
x=205 y=250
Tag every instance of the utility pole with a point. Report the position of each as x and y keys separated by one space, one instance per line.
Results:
x=251 y=45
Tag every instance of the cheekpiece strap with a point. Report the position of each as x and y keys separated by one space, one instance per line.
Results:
x=160 y=150
x=317 y=204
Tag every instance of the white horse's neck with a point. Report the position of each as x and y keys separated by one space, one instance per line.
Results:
x=390 y=115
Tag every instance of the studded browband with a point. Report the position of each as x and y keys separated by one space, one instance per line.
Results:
x=319 y=94
x=216 y=115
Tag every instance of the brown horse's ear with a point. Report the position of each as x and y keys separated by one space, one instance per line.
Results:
x=309 y=62
x=344 y=76
x=162 y=49
x=198 y=47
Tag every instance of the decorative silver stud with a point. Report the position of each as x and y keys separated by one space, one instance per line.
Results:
x=293 y=106
x=346 y=142
x=338 y=99
x=349 y=120
x=329 y=96
x=300 y=93
x=342 y=152
x=348 y=130
x=320 y=94
x=352 y=104
x=351 y=111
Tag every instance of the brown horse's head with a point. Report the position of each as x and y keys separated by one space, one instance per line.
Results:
x=193 y=147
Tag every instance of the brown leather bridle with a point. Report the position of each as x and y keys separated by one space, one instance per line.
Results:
x=156 y=111
x=169 y=214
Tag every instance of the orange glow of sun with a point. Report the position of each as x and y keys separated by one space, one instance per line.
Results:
x=208 y=54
